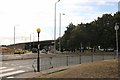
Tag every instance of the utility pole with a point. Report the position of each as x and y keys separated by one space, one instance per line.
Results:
x=14 y=37
x=55 y=27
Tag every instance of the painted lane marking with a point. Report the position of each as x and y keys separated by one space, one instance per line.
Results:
x=6 y=70
x=11 y=73
x=21 y=66
x=10 y=77
x=2 y=67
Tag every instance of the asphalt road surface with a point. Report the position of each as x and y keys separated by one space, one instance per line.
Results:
x=14 y=67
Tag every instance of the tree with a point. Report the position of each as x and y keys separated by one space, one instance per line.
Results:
x=99 y=32
x=66 y=36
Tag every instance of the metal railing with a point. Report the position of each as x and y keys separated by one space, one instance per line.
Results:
x=67 y=60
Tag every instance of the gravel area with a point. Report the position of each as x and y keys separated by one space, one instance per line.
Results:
x=98 y=69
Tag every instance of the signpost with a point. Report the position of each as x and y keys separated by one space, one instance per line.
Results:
x=116 y=28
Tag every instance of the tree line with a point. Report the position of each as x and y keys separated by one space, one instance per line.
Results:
x=98 y=34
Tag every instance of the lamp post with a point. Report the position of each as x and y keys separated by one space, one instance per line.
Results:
x=38 y=65
x=55 y=27
x=14 y=35
x=30 y=42
x=33 y=40
x=116 y=28
x=60 y=31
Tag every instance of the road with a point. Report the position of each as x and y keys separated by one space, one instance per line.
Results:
x=13 y=67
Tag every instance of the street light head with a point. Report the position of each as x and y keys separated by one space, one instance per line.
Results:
x=38 y=30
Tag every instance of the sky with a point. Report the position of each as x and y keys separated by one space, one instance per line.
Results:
x=28 y=15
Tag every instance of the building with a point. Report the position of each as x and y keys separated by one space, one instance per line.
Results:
x=119 y=6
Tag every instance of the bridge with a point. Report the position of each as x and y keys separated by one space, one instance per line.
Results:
x=46 y=44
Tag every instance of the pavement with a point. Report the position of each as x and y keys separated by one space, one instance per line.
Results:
x=37 y=74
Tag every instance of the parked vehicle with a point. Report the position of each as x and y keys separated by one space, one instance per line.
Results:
x=43 y=51
x=19 y=51
x=34 y=50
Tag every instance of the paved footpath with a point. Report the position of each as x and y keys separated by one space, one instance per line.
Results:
x=36 y=74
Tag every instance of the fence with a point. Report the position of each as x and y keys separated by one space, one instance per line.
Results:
x=67 y=60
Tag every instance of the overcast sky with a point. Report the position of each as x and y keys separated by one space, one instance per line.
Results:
x=28 y=15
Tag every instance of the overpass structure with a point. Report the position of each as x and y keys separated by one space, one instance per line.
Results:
x=47 y=44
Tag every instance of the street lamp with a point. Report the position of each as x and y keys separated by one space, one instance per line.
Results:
x=116 y=28
x=60 y=31
x=30 y=43
x=55 y=27
x=38 y=65
x=33 y=40
x=14 y=35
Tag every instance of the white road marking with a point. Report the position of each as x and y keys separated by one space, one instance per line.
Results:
x=11 y=73
x=6 y=70
x=10 y=77
x=20 y=66
x=29 y=67
x=2 y=67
